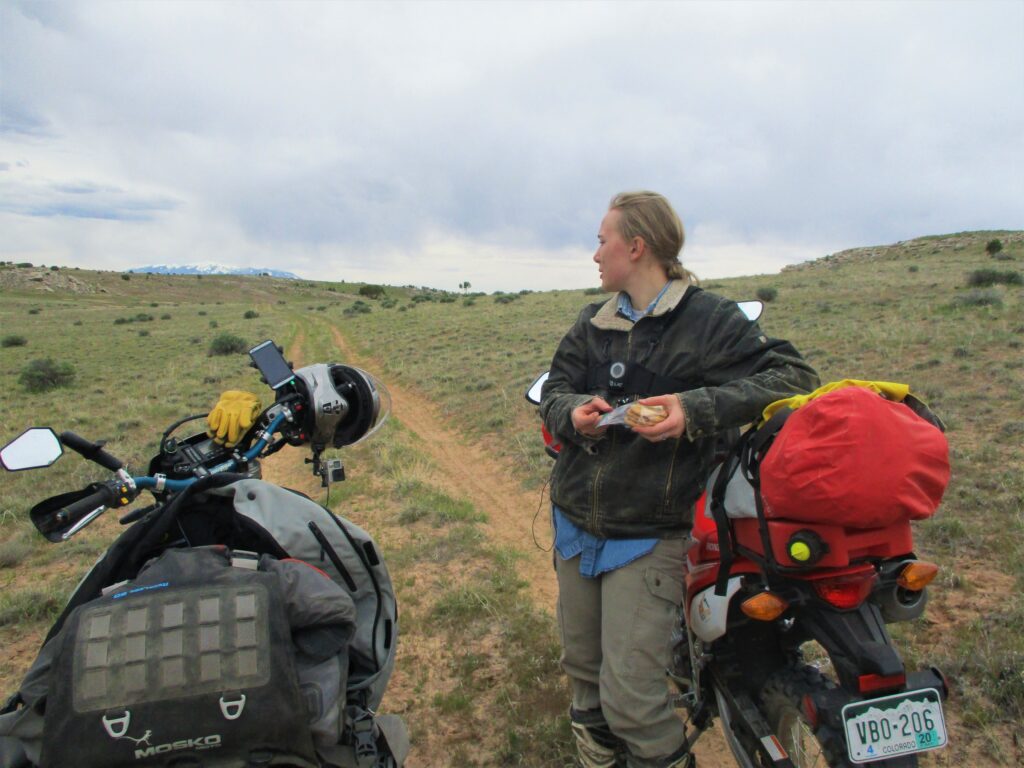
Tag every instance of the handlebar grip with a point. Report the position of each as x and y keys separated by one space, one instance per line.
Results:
x=92 y=451
x=72 y=513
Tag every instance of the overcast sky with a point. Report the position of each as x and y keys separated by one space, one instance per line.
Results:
x=435 y=143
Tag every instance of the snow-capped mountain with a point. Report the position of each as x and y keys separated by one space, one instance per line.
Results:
x=211 y=269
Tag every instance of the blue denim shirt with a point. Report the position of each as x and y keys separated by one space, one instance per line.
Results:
x=599 y=555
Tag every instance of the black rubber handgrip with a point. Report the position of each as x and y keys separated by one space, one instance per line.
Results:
x=91 y=451
x=72 y=513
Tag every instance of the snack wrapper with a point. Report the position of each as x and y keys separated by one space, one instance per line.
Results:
x=641 y=415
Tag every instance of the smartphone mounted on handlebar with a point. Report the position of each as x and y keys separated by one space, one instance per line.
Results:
x=269 y=359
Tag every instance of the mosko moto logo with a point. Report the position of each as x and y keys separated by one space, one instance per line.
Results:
x=203 y=742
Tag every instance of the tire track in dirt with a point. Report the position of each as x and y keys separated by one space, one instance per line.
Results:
x=470 y=472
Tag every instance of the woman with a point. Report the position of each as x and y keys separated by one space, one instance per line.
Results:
x=623 y=499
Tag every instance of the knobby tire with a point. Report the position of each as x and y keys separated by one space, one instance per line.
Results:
x=782 y=705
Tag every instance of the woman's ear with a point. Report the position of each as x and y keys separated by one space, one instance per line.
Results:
x=637 y=246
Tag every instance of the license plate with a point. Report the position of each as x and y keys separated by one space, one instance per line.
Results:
x=889 y=726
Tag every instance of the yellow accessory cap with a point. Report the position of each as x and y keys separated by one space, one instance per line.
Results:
x=799 y=551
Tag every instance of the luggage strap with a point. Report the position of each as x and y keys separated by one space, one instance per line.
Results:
x=747 y=459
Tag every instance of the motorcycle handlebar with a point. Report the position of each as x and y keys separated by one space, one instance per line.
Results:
x=92 y=451
x=68 y=518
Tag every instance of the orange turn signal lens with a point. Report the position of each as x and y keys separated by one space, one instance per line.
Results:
x=917 y=575
x=764 y=606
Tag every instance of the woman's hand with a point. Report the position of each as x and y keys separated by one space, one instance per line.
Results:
x=674 y=425
x=585 y=418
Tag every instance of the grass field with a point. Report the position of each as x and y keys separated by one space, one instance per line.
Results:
x=477 y=672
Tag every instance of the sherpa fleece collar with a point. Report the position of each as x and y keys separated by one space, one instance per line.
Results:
x=609 y=319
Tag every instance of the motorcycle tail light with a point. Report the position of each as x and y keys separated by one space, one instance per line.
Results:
x=846 y=591
x=764 y=606
x=873 y=683
x=917 y=575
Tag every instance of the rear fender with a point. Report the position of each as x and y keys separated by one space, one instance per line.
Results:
x=856 y=641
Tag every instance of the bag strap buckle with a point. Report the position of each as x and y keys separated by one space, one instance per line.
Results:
x=364 y=737
x=240 y=558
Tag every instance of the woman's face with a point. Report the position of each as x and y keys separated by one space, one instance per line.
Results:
x=612 y=255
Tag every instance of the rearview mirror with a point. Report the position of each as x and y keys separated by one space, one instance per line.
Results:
x=752 y=309
x=34 y=448
x=533 y=393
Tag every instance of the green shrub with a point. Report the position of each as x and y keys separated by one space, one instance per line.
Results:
x=992 y=247
x=126 y=277
x=504 y=299
x=46 y=374
x=982 y=278
x=142 y=317
x=34 y=311
x=227 y=344
x=371 y=291
x=14 y=551
x=251 y=314
x=979 y=298
x=593 y=291
x=13 y=341
x=359 y=308
x=767 y=294
x=165 y=316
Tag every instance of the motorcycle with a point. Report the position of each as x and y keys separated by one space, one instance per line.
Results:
x=746 y=624
x=210 y=498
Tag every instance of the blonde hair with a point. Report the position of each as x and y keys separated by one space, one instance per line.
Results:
x=650 y=216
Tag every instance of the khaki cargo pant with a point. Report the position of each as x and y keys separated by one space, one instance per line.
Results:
x=616 y=632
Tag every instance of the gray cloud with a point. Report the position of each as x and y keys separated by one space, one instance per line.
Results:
x=373 y=132
x=81 y=200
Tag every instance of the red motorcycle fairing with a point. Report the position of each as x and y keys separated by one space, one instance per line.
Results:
x=550 y=444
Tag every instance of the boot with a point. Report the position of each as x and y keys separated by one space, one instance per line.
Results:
x=681 y=758
x=596 y=745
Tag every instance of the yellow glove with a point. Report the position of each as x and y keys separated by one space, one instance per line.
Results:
x=232 y=416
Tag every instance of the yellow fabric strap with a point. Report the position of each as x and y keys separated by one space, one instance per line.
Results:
x=890 y=389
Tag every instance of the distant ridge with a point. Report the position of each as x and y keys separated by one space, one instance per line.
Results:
x=955 y=241
x=211 y=269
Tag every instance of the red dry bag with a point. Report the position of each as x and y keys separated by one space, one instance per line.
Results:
x=853 y=458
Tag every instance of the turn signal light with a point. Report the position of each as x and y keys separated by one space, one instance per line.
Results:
x=764 y=606
x=917 y=575
x=846 y=592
